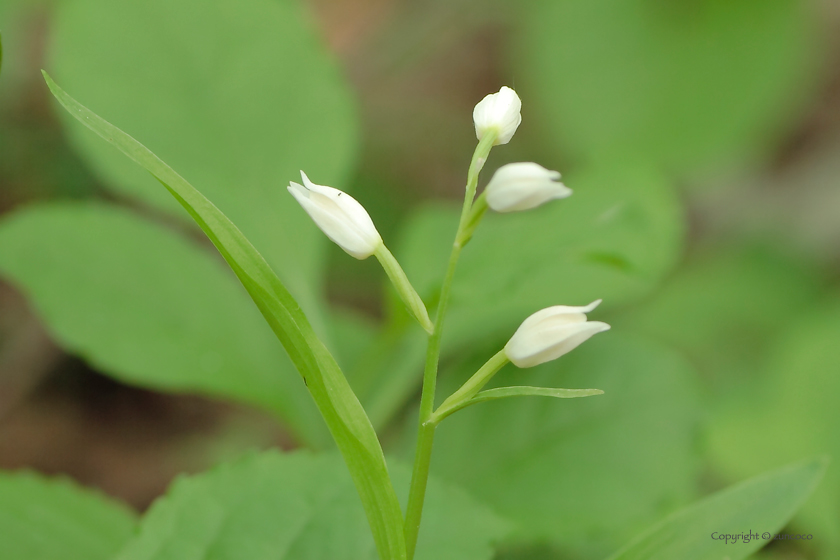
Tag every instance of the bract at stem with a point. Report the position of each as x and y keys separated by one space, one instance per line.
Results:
x=473 y=385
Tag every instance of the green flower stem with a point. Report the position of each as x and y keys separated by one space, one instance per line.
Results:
x=426 y=430
x=473 y=385
x=404 y=288
x=479 y=208
x=476 y=165
x=417 y=494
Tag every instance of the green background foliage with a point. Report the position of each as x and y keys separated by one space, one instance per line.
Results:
x=51 y=519
x=296 y=506
x=678 y=84
x=192 y=327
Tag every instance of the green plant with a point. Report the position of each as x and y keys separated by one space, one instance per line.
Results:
x=152 y=307
x=544 y=336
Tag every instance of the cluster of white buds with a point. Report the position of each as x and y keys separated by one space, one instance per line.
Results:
x=515 y=186
x=548 y=334
x=545 y=335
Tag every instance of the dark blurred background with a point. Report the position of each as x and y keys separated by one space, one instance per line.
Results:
x=735 y=104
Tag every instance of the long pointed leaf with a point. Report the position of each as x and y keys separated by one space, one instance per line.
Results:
x=523 y=391
x=344 y=415
x=757 y=508
x=504 y=392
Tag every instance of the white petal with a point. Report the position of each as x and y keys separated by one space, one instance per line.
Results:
x=522 y=186
x=355 y=213
x=566 y=339
x=298 y=191
x=550 y=333
x=339 y=216
x=499 y=111
x=556 y=310
x=525 y=196
x=525 y=170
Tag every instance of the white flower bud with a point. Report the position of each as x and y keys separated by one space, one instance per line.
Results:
x=499 y=111
x=339 y=215
x=522 y=186
x=548 y=334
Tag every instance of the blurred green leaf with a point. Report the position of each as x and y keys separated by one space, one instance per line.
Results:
x=614 y=239
x=237 y=96
x=346 y=419
x=300 y=507
x=143 y=304
x=686 y=84
x=390 y=370
x=53 y=519
x=790 y=414
x=725 y=305
x=761 y=505
x=583 y=474
x=350 y=333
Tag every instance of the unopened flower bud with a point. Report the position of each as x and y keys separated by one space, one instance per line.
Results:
x=548 y=334
x=522 y=186
x=499 y=111
x=339 y=215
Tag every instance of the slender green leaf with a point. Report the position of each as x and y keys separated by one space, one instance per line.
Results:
x=504 y=392
x=297 y=507
x=759 y=508
x=340 y=408
x=149 y=307
x=53 y=519
x=238 y=96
